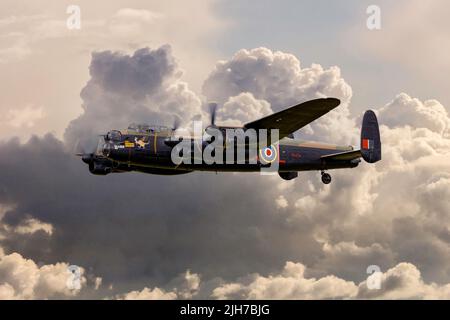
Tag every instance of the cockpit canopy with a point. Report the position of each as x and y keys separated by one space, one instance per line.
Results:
x=145 y=128
x=113 y=135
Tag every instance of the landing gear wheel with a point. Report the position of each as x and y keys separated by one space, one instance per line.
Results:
x=326 y=178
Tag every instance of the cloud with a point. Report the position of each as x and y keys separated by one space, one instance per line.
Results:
x=143 y=87
x=128 y=21
x=33 y=225
x=403 y=281
x=38 y=52
x=135 y=229
x=274 y=76
x=139 y=14
x=289 y=284
x=26 y=117
x=186 y=287
x=407 y=111
x=21 y=278
x=241 y=109
x=148 y=294
x=278 y=78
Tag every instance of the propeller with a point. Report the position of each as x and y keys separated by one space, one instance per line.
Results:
x=85 y=157
x=80 y=150
x=176 y=123
x=212 y=111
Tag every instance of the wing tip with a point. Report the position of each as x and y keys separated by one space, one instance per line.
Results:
x=333 y=101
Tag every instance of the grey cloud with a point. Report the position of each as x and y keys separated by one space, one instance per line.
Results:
x=142 y=87
x=139 y=231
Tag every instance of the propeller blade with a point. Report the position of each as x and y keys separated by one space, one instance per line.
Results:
x=212 y=111
x=176 y=123
x=78 y=148
x=87 y=157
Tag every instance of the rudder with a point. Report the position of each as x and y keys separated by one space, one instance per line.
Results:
x=370 y=138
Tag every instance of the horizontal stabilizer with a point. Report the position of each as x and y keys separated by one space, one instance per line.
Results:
x=343 y=156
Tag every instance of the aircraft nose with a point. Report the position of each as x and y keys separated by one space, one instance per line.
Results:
x=87 y=158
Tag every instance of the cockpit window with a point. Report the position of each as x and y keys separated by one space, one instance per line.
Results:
x=114 y=135
x=145 y=128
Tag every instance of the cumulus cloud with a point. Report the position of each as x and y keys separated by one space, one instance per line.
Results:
x=274 y=76
x=148 y=294
x=289 y=284
x=241 y=109
x=135 y=229
x=143 y=87
x=186 y=287
x=406 y=111
x=278 y=78
x=53 y=81
x=403 y=281
x=21 y=278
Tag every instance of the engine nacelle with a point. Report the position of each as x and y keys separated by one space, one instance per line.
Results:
x=99 y=168
x=288 y=175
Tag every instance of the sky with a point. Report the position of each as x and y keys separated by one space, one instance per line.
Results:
x=201 y=235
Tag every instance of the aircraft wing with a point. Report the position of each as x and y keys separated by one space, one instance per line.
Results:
x=296 y=117
x=348 y=155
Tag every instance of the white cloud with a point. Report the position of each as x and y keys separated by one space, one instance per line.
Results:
x=148 y=294
x=403 y=281
x=190 y=286
x=137 y=14
x=25 y=117
x=187 y=286
x=291 y=283
x=407 y=111
x=33 y=225
x=21 y=278
x=274 y=76
x=241 y=109
x=282 y=202
x=278 y=78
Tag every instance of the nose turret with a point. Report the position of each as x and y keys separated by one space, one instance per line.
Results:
x=87 y=157
x=106 y=150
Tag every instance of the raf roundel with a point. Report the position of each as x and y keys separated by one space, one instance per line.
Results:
x=268 y=154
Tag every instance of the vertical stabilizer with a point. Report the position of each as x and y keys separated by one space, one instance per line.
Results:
x=370 y=138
